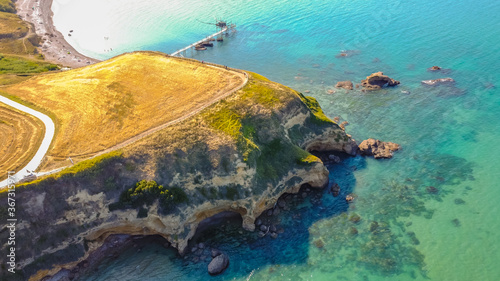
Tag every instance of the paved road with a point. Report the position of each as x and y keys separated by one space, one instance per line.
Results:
x=44 y=147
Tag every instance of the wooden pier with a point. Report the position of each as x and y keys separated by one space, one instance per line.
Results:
x=220 y=24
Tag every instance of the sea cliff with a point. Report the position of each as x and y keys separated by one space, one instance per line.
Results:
x=239 y=155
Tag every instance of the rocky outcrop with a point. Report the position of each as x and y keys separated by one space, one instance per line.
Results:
x=347 y=53
x=378 y=149
x=434 y=68
x=441 y=81
x=378 y=80
x=345 y=84
x=68 y=217
x=218 y=264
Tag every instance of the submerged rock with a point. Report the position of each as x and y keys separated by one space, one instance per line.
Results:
x=373 y=226
x=345 y=84
x=353 y=231
x=431 y=189
x=378 y=149
x=378 y=80
x=215 y=253
x=334 y=158
x=218 y=264
x=319 y=243
x=347 y=53
x=439 y=81
x=434 y=68
x=335 y=189
x=281 y=203
x=355 y=218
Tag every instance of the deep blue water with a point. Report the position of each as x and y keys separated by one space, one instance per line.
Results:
x=448 y=133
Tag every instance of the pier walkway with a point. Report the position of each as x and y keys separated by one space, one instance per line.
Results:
x=178 y=53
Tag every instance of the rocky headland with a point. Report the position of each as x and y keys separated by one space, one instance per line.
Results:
x=239 y=155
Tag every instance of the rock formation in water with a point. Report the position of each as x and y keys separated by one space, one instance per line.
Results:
x=378 y=149
x=218 y=264
x=345 y=84
x=440 y=81
x=434 y=68
x=378 y=80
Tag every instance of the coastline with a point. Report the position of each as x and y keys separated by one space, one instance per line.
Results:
x=53 y=45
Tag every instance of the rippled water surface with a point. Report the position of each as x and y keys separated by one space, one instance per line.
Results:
x=448 y=133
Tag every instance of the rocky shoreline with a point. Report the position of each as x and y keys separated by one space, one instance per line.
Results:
x=265 y=224
x=52 y=44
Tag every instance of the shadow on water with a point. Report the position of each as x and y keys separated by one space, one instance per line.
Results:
x=290 y=220
x=320 y=230
x=247 y=251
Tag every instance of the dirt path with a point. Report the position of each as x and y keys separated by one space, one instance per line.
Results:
x=241 y=74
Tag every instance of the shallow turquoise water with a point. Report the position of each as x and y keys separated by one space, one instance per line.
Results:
x=448 y=134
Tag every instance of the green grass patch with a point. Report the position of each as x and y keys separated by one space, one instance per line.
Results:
x=259 y=91
x=257 y=76
x=88 y=168
x=318 y=117
x=19 y=65
x=225 y=119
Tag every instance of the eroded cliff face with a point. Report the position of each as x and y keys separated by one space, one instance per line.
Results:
x=239 y=155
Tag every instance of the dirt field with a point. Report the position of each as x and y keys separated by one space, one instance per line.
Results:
x=20 y=137
x=102 y=105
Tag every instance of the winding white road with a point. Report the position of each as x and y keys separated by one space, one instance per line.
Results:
x=44 y=147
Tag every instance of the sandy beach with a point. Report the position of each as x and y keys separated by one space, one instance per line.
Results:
x=53 y=45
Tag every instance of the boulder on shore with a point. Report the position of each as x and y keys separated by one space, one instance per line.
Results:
x=378 y=80
x=378 y=149
x=218 y=264
x=439 y=81
x=345 y=84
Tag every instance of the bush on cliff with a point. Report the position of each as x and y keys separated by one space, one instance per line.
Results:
x=146 y=192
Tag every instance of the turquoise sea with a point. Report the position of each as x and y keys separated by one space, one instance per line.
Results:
x=448 y=133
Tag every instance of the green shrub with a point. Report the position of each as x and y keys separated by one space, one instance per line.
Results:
x=146 y=193
x=232 y=192
x=18 y=65
x=142 y=213
x=179 y=196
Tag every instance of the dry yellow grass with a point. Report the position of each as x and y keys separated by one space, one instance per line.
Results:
x=105 y=104
x=15 y=35
x=11 y=26
x=20 y=137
